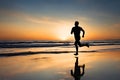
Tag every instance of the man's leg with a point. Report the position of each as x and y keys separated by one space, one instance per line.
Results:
x=80 y=44
x=76 y=46
x=87 y=44
x=84 y=44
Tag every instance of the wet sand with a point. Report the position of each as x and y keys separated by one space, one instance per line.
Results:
x=98 y=66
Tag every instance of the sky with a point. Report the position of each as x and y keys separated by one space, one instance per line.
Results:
x=53 y=19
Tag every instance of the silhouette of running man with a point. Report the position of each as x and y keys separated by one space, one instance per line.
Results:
x=77 y=30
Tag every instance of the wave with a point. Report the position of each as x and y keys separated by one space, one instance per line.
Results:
x=53 y=52
x=105 y=42
x=29 y=44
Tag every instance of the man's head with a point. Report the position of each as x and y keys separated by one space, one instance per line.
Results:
x=76 y=23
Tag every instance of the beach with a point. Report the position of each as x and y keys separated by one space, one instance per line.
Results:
x=102 y=62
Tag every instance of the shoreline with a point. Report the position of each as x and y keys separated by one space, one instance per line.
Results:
x=54 y=52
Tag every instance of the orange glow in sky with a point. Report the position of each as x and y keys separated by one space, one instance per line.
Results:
x=50 y=30
x=46 y=21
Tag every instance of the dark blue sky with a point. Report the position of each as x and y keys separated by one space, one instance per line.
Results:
x=101 y=9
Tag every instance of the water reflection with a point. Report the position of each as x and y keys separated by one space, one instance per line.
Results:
x=79 y=70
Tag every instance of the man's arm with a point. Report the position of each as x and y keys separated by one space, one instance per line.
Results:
x=72 y=73
x=72 y=31
x=83 y=70
x=83 y=32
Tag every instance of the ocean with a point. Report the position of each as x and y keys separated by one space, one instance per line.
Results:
x=14 y=48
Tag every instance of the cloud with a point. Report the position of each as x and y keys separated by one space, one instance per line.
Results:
x=43 y=20
x=31 y=18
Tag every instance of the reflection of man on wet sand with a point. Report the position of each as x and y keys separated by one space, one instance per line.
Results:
x=77 y=74
x=76 y=30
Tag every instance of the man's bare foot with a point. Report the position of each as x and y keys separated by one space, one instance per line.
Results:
x=76 y=53
x=87 y=44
